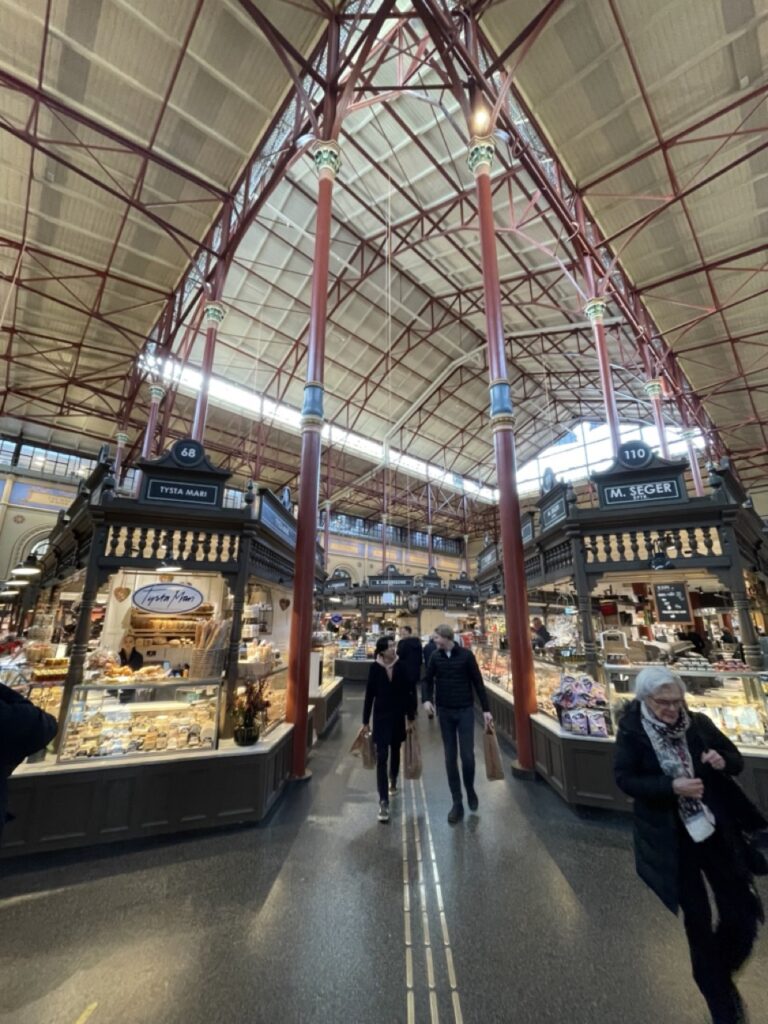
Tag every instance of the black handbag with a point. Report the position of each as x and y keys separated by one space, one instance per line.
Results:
x=754 y=858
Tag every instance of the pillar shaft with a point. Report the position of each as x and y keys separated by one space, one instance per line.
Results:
x=384 y=543
x=156 y=392
x=430 y=549
x=327 y=535
x=693 y=459
x=121 y=439
x=212 y=318
x=326 y=156
x=502 y=423
x=595 y=310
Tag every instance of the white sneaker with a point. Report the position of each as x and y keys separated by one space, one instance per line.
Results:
x=383 y=811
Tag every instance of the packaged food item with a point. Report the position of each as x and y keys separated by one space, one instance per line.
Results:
x=579 y=723
x=597 y=723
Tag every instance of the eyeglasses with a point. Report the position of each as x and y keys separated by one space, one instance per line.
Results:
x=668 y=703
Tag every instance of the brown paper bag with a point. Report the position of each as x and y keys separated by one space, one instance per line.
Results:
x=363 y=745
x=413 y=765
x=494 y=767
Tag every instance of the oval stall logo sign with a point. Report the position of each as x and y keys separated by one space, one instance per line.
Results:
x=167 y=598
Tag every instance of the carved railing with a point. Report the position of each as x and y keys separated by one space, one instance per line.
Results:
x=140 y=544
x=640 y=546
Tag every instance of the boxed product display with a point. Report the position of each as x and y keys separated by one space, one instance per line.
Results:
x=581 y=704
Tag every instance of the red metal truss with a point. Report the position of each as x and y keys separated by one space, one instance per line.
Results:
x=450 y=43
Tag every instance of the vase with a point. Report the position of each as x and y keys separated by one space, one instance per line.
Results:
x=246 y=735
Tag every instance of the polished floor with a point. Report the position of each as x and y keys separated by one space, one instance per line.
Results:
x=525 y=913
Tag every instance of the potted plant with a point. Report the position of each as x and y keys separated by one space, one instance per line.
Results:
x=248 y=710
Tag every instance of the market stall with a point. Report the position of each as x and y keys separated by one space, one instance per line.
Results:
x=648 y=545
x=183 y=575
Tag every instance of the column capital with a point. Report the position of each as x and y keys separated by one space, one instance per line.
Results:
x=595 y=310
x=688 y=434
x=481 y=152
x=121 y=438
x=430 y=529
x=326 y=155
x=213 y=314
x=653 y=388
x=156 y=392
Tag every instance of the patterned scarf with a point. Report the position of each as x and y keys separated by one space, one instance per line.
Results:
x=671 y=748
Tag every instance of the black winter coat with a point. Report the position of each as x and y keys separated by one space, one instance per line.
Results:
x=456 y=680
x=392 y=701
x=24 y=729
x=657 y=819
x=412 y=656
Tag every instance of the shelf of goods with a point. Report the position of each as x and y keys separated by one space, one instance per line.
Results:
x=41 y=682
x=165 y=637
x=257 y=620
x=260 y=659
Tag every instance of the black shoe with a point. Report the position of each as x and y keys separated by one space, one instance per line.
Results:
x=456 y=813
x=392 y=787
x=383 y=812
x=472 y=800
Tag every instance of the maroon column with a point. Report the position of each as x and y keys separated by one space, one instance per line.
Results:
x=156 y=392
x=654 y=390
x=327 y=160
x=466 y=553
x=121 y=439
x=595 y=310
x=430 y=548
x=481 y=153
x=693 y=459
x=213 y=315
x=327 y=535
x=384 y=543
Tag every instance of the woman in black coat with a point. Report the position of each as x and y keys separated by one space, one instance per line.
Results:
x=690 y=821
x=391 y=695
x=24 y=729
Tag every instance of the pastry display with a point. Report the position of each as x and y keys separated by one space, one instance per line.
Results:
x=100 y=726
x=50 y=670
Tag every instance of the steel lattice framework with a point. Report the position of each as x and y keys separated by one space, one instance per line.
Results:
x=153 y=156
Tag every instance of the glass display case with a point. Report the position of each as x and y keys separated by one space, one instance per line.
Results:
x=140 y=720
x=329 y=653
x=736 y=701
x=271 y=691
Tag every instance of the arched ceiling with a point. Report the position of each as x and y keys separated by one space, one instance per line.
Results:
x=143 y=145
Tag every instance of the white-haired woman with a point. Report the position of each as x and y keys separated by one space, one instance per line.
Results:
x=690 y=819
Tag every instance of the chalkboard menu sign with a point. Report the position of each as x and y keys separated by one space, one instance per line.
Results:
x=672 y=604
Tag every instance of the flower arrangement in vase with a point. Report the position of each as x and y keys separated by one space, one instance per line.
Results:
x=248 y=710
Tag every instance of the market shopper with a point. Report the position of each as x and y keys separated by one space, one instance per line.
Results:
x=541 y=634
x=691 y=819
x=24 y=729
x=129 y=655
x=410 y=653
x=391 y=696
x=452 y=680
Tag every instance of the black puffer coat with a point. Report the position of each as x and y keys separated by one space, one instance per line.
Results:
x=24 y=729
x=657 y=819
x=391 y=700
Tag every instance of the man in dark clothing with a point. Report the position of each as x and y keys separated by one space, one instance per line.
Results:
x=410 y=654
x=429 y=649
x=454 y=675
x=24 y=729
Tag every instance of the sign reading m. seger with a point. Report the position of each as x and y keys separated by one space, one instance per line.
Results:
x=643 y=491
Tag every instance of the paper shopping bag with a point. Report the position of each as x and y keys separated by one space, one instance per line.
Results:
x=363 y=745
x=494 y=768
x=413 y=764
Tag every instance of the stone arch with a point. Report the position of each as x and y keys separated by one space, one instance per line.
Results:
x=24 y=544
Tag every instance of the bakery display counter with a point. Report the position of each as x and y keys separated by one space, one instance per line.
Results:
x=89 y=801
x=327 y=700
x=502 y=708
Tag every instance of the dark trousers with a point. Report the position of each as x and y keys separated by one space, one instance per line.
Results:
x=458 y=728
x=717 y=953
x=384 y=751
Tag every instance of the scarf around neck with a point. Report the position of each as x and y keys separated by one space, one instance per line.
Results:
x=674 y=756
x=387 y=668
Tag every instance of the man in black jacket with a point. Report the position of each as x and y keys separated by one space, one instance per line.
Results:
x=24 y=729
x=410 y=654
x=454 y=675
